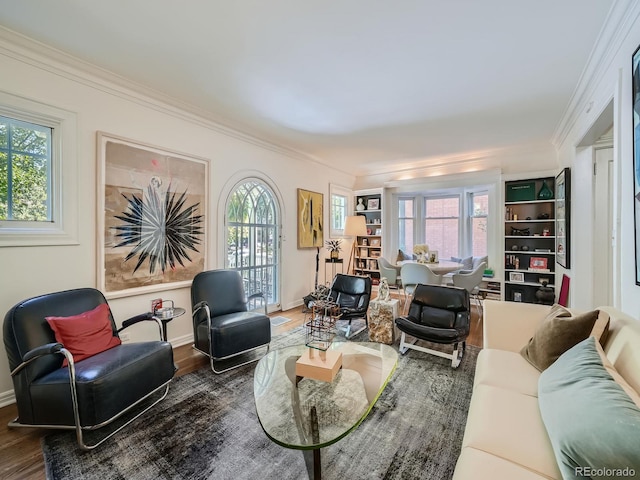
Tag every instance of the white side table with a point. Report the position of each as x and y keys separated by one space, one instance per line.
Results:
x=382 y=317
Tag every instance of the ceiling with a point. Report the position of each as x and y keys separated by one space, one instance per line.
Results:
x=359 y=84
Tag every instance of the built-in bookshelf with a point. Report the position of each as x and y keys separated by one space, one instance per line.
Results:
x=529 y=238
x=369 y=246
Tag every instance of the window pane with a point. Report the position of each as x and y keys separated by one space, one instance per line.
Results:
x=442 y=235
x=479 y=224
x=338 y=211
x=25 y=165
x=29 y=188
x=252 y=239
x=480 y=205
x=4 y=186
x=406 y=224
x=443 y=207
x=442 y=225
x=4 y=133
x=479 y=236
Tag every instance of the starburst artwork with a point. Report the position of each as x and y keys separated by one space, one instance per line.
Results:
x=154 y=218
x=161 y=229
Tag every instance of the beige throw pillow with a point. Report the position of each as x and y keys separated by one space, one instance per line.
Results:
x=601 y=328
x=559 y=331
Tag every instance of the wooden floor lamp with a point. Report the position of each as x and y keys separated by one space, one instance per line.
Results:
x=354 y=226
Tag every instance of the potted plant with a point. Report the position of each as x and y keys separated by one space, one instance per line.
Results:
x=334 y=248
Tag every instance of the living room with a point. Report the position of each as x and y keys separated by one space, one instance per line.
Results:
x=91 y=101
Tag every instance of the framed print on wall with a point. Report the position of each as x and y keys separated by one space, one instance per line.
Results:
x=310 y=219
x=152 y=223
x=562 y=215
x=636 y=156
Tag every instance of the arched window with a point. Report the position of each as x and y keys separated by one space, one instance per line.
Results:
x=253 y=238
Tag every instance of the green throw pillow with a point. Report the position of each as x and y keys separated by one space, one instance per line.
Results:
x=594 y=426
x=559 y=331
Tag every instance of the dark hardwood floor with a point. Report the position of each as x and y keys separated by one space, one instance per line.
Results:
x=20 y=452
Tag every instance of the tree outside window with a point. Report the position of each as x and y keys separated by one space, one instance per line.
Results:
x=338 y=212
x=25 y=171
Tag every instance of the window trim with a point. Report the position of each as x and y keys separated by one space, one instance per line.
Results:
x=343 y=192
x=63 y=229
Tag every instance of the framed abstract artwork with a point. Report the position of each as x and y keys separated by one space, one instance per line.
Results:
x=636 y=156
x=563 y=217
x=152 y=221
x=310 y=219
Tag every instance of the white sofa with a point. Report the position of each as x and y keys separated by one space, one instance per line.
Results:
x=505 y=437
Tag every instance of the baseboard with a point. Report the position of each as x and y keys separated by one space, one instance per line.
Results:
x=7 y=398
x=291 y=305
x=183 y=340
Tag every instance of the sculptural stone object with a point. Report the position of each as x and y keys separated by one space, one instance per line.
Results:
x=383 y=290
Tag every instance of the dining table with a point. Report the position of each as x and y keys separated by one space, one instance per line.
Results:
x=441 y=268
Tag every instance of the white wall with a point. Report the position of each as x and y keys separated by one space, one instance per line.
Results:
x=581 y=231
x=608 y=78
x=101 y=106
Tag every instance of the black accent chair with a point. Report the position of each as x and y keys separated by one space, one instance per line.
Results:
x=87 y=394
x=222 y=325
x=352 y=293
x=437 y=314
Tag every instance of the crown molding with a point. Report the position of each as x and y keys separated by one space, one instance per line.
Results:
x=42 y=56
x=618 y=24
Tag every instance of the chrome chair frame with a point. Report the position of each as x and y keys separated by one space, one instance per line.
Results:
x=455 y=357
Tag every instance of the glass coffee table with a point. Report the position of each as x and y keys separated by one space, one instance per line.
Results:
x=308 y=414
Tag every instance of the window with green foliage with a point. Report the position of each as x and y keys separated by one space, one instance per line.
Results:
x=339 y=209
x=25 y=171
x=39 y=175
x=253 y=238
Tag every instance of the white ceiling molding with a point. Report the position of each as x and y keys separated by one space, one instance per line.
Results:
x=623 y=15
x=44 y=57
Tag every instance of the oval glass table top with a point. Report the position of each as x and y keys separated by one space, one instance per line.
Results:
x=311 y=414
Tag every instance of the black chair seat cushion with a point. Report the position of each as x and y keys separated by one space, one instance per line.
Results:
x=107 y=383
x=437 y=314
x=351 y=293
x=431 y=333
x=235 y=332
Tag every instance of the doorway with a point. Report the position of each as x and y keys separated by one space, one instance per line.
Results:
x=253 y=239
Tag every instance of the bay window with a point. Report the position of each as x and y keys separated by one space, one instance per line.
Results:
x=452 y=221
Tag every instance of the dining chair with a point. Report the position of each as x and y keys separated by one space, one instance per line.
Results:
x=414 y=274
x=471 y=282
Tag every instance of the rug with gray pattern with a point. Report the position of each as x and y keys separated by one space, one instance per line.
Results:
x=207 y=428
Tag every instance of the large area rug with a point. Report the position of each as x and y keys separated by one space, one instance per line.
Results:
x=207 y=428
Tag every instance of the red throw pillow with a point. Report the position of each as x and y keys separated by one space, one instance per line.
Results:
x=86 y=334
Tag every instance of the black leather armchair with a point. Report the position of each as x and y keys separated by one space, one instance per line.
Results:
x=437 y=314
x=222 y=325
x=352 y=293
x=87 y=394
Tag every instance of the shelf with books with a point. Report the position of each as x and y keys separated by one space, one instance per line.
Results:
x=369 y=246
x=529 y=238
